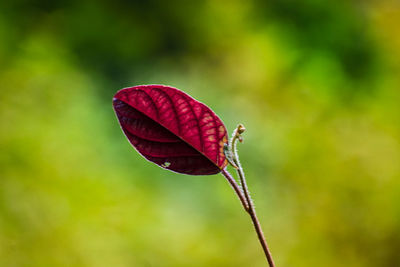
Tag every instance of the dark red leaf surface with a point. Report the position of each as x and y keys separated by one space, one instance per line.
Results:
x=171 y=129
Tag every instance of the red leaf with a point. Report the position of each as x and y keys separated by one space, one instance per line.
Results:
x=171 y=129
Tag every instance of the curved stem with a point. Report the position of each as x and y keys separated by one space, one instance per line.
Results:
x=251 y=209
x=237 y=189
x=254 y=219
x=245 y=199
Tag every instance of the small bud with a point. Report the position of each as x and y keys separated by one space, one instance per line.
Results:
x=241 y=129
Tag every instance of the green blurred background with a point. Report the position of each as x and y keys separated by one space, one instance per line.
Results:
x=316 y=83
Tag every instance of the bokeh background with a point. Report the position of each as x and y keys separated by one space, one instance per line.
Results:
x=316 y=83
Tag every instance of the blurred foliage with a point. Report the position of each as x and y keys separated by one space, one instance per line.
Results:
x=316 y=83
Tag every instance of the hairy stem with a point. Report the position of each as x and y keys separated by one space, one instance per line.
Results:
x=237 y=189
x=253 y=215
x=250 y=206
